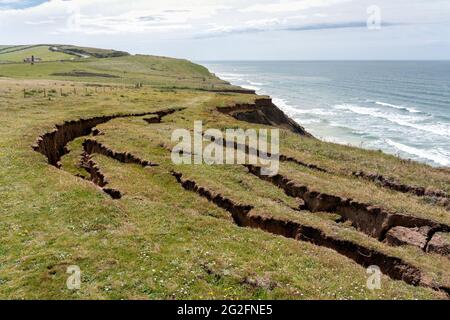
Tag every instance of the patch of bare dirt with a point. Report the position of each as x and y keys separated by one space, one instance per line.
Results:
x=263 y=111
x=392 y=266
x=371 y=220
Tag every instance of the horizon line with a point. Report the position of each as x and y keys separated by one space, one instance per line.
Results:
x=322 y=60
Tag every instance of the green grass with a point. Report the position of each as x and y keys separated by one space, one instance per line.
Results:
x=128 y=70
x=232 y=181
x=5 y=49
x=42 y=52
x=94 y=52
x=160 y=241
x=346 y=159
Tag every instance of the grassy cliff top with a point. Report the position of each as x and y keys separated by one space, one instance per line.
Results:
x=165 y=238
x=45 y=52
x=105 y=66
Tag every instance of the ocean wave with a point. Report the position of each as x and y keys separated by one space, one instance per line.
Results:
x=295 y=112
x=441 y=129
x=412 y=110
x=285 y=106
x=240 y=80
x=231 y=76
x=318 y=112
x=255 y=83
x=250 y=87
x=308 y=121
x=433 y=155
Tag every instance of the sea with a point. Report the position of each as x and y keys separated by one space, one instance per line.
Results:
x=399 y=107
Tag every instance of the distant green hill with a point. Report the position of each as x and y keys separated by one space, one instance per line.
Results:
x=18 y=54
x=87 y=180
x=81 y=64
x=91 y=52
x=46 y=52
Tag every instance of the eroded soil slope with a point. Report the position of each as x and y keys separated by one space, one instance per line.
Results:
x=87 y=179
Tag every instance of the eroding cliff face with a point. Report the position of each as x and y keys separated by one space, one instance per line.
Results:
x=264 y=111
x=53 y=144
x=393 y=228
x=97 y=177
x=390 y=183
x=91 y=146
x=243 y=216
x=440 y=244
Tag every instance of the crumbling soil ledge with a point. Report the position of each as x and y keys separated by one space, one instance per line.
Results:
x=91 y=146
x=263 y=111
x=217 y=199
x=371 y=220
x=252 y=151
x=393 y=267
x=441 y=196
x=97 y=177
x=390 y=183
x=53 y=144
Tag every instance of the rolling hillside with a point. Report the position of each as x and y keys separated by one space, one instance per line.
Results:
x=86 y=179
x=12 y=54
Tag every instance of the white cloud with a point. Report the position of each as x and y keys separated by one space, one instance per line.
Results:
x=113 y=16
x=290 y=6
x=36 y=23
x=168 y=27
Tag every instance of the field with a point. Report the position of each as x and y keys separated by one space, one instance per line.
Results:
x=42 y=52
x=11 y=54
x=104 y=195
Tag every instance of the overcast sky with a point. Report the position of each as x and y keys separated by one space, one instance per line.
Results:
x=237 y=29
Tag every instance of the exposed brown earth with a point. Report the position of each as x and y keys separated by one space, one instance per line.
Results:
x=97 y=177
x=53 y=144
x=97 y=132
x=248 y=150
x=439 y=244
x=394 y=185
x=400 y=236
x=113 y=193
x=442 y=197
x=393 y=228
x=263 y=111
x=158 y=116
x=154 y=119
x=371 y=220
x=91 y=146
x=302 y=163
x=394 y=267
x=218 y=199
